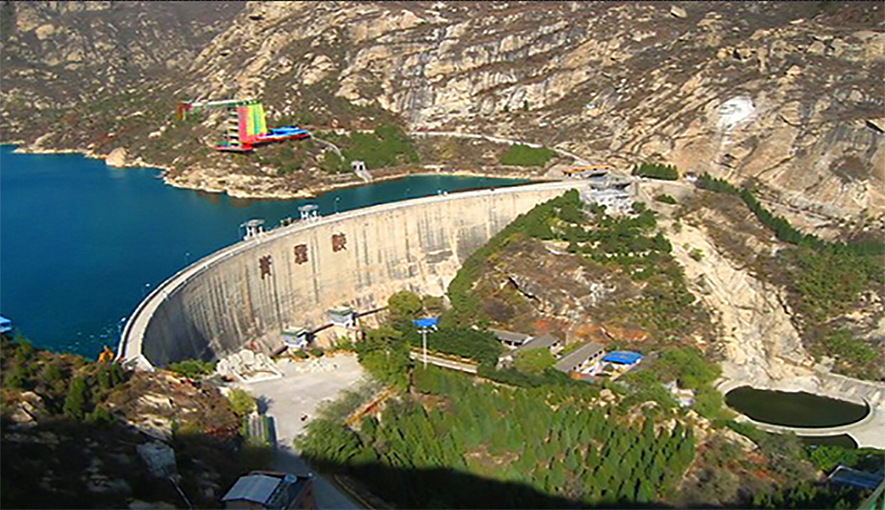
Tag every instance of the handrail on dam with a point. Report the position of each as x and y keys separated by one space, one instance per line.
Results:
x=130 y=347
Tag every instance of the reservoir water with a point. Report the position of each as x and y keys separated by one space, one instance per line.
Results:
x=793 y=409
x=82 y=243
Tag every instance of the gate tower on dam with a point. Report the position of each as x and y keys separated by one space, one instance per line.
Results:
x=289 y=277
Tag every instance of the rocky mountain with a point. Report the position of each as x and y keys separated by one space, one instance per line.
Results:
x=790 y=94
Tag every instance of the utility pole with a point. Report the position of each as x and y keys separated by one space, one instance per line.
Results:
x=426 y=325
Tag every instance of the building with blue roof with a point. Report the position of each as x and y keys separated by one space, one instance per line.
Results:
x=623 y=357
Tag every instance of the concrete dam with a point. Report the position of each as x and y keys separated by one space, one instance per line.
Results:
x=289 y=277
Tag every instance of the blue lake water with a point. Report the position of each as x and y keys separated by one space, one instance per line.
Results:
x=82 y=243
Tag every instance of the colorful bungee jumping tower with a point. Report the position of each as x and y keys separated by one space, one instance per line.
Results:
x=246 y=124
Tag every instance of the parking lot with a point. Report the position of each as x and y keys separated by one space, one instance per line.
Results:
x=303 y=387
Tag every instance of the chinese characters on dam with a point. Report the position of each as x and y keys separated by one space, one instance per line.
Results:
x=339 y=243
x=264 y=265
x=301 y=254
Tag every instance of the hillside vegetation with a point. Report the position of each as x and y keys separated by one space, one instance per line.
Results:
x=827 y=281
x=70 y=429
x=531 y=437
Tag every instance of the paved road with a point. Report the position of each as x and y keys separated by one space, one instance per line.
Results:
x=299 y=392
x=507 y=141
x=444 y=362
x=328 y=495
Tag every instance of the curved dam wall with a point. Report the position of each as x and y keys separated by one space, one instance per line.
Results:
x=291 y=276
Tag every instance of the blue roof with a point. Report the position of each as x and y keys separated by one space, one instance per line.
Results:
x=426 y=322
x=848 y=476
x=624 y=357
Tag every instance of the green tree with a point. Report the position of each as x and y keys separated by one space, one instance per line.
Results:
x=404 y=305
x=75 y=401
x=384 y=353
x=17 y=377
x=51 y=373
x=533 y=361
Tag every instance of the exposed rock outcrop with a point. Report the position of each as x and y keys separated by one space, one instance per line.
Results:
x=618 y=82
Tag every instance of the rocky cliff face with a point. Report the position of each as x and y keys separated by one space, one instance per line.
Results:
x=789 y=94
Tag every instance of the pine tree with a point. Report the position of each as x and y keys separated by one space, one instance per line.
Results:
x=76 y=398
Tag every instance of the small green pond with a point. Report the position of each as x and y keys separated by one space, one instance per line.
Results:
x=793 y=409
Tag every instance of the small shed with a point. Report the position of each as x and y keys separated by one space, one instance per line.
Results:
x=342 y=316
x=296 y=339
x=309 y=212
x=253 y=227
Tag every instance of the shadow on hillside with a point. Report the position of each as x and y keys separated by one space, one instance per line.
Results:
x=382 y=486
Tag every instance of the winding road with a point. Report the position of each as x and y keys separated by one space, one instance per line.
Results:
x=454 y=134
x=443 y=362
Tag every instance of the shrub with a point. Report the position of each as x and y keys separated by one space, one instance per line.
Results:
x=100 y=415
x=343 y=343
x=241 y=402
x=523 y=155
x=845 y=346
x=193 y=368
x=534 y=361
x=317 y=351
x=696 y=254
x=17 y=378
x=665 y=198
x=656 y=171
x=333 y=163
x=50 y=373
x=387 y=146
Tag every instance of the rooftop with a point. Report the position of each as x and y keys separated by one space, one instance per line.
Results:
x=538 y=343
x=578 y=356
x=622 y=357
x=853 y=477
x=270 y=490
x=510 y=336
x=254 y=488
